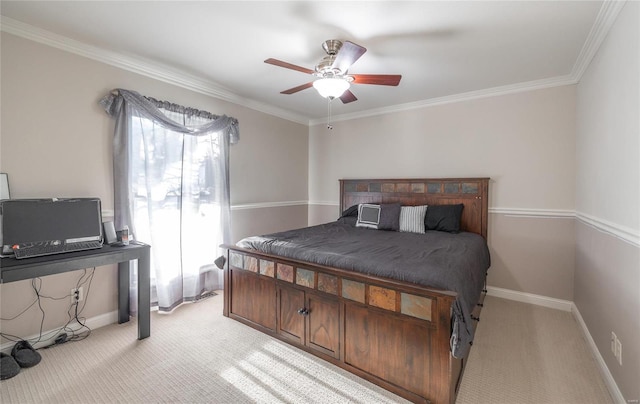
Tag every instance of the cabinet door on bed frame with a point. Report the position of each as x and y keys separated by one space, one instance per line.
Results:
x=309 y=319
x=323 y=324
x=291 y=321
x=389 y=346
x=253 y=298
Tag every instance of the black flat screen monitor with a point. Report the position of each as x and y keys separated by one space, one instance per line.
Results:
x=69 y=220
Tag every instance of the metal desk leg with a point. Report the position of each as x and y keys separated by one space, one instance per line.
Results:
x=123 y=292
x=144 y=295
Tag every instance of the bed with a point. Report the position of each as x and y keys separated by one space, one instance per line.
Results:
x=396 y=308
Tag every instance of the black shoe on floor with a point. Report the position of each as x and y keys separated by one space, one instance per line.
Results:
x=8 y=366
x=25 y=355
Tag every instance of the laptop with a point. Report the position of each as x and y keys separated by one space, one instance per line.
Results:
x=37 y=227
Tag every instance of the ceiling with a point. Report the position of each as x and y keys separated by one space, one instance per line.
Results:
x=444 y=50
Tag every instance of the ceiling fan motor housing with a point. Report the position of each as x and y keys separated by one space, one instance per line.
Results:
x=332 y=46
x=324 y=69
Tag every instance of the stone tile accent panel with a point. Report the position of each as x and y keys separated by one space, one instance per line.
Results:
x=328 y=283
x=267 y=268
x=382 y=297
x=236 y=260
x=415 y=306
x=285 y=272
x=353 y=290
x=305 y=278
x=251 y=264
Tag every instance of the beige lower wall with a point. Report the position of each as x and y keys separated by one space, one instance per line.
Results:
x=528 y=254
x=532 y=254
x=607 y=294
x=100 y=298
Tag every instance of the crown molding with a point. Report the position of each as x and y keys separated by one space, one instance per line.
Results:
x=603 y=23
x=142 y=66
x=449 y=99
x=601 y=27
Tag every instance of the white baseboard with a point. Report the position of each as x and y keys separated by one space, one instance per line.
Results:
x=538 y=300
x=616 y=394
x=565 y=305
x=93 y=323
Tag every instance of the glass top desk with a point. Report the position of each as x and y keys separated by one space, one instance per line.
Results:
x=13 y=270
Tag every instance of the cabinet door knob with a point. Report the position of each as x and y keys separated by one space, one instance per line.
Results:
x=303 y=311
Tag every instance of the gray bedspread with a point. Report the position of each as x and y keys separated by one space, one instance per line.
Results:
x=456 y=262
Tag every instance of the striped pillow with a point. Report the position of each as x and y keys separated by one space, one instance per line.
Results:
x=412 y=218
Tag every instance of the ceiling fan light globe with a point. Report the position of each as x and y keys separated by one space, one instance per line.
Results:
x=331 y=87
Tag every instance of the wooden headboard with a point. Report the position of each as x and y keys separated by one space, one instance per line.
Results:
x=473 y=193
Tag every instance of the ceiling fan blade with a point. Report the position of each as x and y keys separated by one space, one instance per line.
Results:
x=379 y=79
x=296 y=89
x=286 y=65
x=348 y=97
x=347 y=55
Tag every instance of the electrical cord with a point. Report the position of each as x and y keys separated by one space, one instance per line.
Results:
x=71 y=334
x=62 y=337
x=75 y=334
x=36 y=288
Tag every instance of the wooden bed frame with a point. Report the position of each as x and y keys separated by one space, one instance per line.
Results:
x=392 y=333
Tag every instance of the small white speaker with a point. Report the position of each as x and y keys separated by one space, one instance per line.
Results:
x=109 y=233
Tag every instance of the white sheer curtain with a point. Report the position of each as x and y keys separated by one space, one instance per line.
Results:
x=172 y=183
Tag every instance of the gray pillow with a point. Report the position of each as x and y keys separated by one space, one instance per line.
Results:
x=412 y=218
x=389 y=217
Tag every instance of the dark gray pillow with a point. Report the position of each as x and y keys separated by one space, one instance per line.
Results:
x=389 y=217
x=350 y=220
x=352 y=211
x=443 y=218
x=349 y=216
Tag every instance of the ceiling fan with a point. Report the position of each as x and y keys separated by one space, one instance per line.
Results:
x=332 y=72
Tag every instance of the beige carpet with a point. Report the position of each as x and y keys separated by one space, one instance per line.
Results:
x=522 y=354
x=530 y=354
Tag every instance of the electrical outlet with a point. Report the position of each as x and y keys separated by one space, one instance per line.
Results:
x=77 y=295
x=619 y=351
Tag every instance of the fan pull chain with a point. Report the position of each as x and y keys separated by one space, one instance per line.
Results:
x=329 y=126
